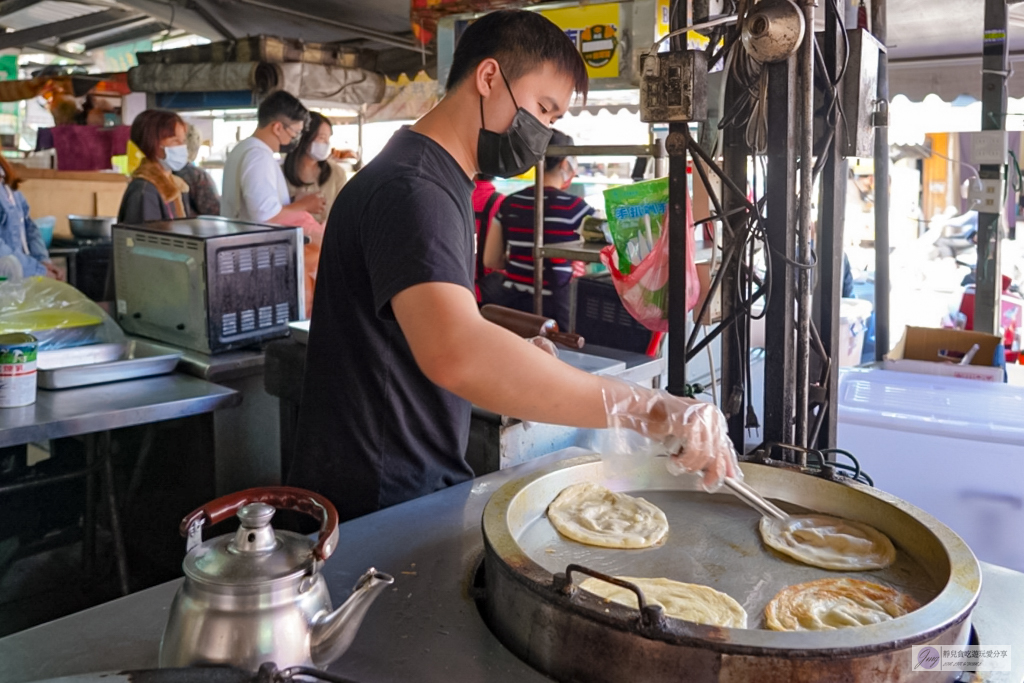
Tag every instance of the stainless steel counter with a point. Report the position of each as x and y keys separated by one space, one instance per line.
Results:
x=425 y=628
x=70 y=412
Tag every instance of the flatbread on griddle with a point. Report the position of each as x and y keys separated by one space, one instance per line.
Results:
x=688 y=601
x=830 y=604
x=591 y=514
x=829 y=542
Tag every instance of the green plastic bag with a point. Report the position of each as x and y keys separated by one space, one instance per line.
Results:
x=636 y=214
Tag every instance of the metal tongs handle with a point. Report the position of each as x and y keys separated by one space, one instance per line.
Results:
x=754 y=499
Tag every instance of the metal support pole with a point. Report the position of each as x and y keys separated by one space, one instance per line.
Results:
x=734 y=340
x=678 y=194
x=538 y=240
x=995 y=69
x=779 y=364
x=882 y=341
x=830 y=254
x=804 y=235
x=679 y=197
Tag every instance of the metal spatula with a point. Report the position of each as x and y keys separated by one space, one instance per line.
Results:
x=754 y=499
x=742 y=490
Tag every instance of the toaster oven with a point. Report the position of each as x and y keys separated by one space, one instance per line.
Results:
x=208 y=284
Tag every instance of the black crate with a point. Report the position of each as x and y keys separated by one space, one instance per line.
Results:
x=602 y=319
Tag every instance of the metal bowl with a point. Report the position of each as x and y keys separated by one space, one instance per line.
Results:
x=91 y=227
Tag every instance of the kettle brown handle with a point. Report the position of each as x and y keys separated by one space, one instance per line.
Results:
x=280 y=497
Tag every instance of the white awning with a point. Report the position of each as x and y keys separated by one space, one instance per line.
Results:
x=947 y=78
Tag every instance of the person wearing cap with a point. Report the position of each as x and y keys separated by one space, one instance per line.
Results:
x=509 y=244
x=203 y=199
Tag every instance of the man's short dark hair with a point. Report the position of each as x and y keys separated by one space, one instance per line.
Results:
x=520 y=41
x=281 y=106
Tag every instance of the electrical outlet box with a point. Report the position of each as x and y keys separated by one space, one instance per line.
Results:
x=713 y=315
x=989 y=147
x=674 y=87
x=859 y=94
x=986 y=196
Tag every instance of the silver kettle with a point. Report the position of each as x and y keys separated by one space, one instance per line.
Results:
x=258 y=596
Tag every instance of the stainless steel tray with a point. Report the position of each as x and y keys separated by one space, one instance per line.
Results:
x=80 y=355
x=138 y=359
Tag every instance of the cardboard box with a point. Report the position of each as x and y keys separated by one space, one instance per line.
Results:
x=929 y=351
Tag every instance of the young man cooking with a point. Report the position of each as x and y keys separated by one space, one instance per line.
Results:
x=398 y=350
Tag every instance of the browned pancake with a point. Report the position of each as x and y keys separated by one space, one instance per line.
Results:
x=829 y=604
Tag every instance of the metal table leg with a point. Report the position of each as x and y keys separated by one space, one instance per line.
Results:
x=89 y=516
x=115 y=519
x=145 y=449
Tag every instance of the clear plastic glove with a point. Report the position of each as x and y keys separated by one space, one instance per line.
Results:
x=544 y=344
x=695 y=434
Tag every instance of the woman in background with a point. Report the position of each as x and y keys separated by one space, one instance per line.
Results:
x=203 y=199
x=22 y=249
x=155 y=193
x=309 y=168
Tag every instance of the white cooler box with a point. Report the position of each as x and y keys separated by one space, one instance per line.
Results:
x=953 y=447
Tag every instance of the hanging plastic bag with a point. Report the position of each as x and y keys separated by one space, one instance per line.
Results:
x=644 y=290
x=55 y=313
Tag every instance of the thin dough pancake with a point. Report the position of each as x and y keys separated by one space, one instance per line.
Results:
x=591 y=514
x=688 y=601
x=830 y=604
x=829 y=542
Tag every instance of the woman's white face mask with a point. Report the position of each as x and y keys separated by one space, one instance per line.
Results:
x=320 y=150
x=175 y=158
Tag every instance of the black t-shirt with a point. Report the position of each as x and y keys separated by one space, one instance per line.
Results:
x=373 y=430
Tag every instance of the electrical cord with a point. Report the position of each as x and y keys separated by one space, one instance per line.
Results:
x=853 y=471
x=717 y=21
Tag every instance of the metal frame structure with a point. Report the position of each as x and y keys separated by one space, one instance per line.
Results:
x=995 y=70
x=540 y=252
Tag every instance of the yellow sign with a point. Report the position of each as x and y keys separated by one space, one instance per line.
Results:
x=664 y=19
x=694 y=40
x=595 y=31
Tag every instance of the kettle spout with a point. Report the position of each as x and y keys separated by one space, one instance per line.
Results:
x=333 y=633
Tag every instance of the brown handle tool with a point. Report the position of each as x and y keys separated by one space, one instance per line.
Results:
x=528 y=325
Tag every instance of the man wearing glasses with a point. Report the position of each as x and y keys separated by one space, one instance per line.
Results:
x=254 y=185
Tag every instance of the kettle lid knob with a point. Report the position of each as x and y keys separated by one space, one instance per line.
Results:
x=256 y=515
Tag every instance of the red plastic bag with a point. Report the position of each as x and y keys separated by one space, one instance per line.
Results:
x=644 y=292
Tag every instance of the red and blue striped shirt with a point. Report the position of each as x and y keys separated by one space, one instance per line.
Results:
x=563 y=214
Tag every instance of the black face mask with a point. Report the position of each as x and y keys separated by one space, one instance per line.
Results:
x=291 y=146
x=515 y=151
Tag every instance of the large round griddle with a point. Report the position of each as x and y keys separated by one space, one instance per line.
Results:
x=713 y=540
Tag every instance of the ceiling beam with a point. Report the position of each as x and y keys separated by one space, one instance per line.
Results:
x=12 y=6
x=31 y=35
x=77 y=36
x=56 y=51
x=206 y=15
x=361 y=31
x=131 y=35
